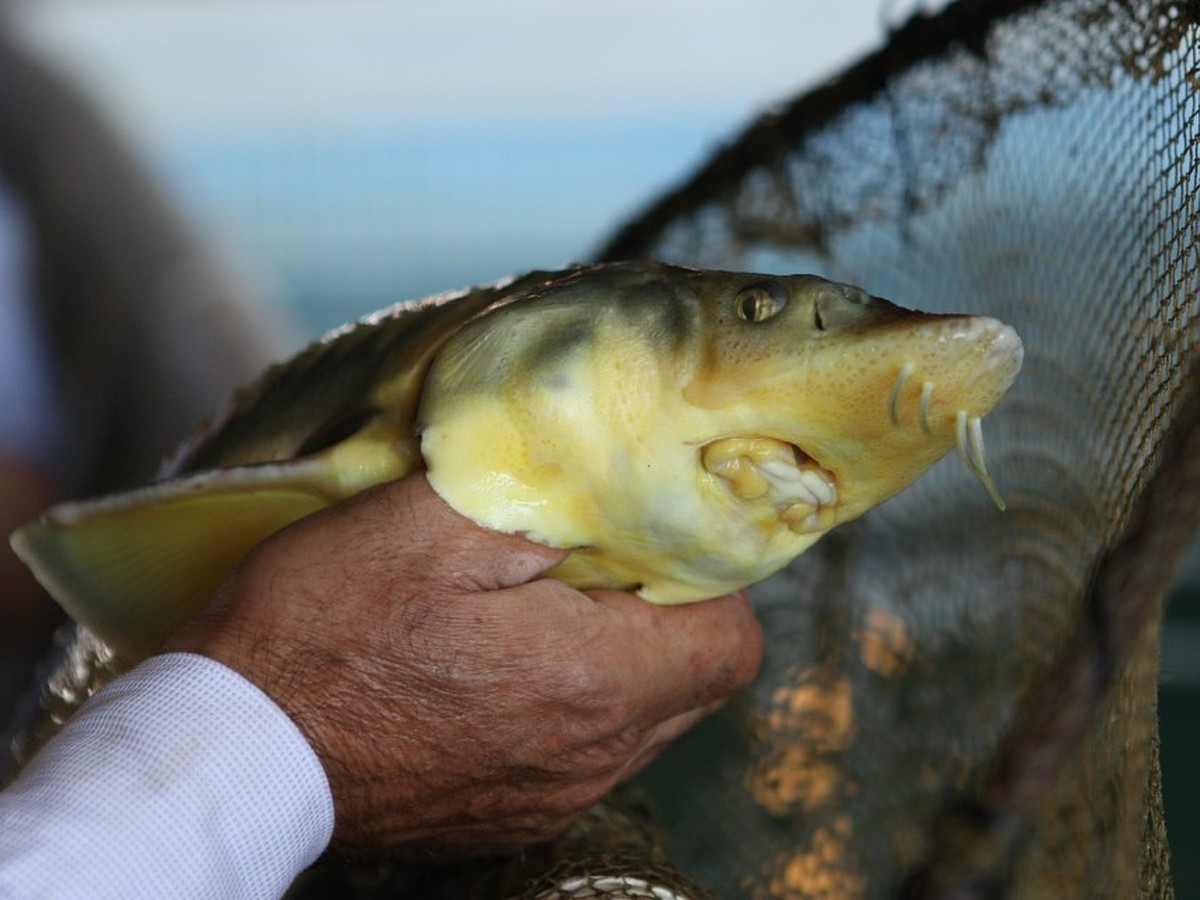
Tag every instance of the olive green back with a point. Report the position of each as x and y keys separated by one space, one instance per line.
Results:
x=372 y=369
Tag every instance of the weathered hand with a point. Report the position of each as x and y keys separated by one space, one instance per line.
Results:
x=460 y=703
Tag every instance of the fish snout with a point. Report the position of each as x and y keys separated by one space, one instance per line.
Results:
x=1006 y=350
x=955 y=393
x=998 y=343
x=988 y=371
x=968 y=363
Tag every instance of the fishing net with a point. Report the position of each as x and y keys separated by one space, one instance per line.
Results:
x=959 y=701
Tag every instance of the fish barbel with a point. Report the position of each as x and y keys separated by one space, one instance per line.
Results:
x=684 y=433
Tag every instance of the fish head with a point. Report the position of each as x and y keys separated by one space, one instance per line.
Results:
x=845 y=394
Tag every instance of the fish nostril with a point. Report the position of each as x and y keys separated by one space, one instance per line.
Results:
x=839 y=306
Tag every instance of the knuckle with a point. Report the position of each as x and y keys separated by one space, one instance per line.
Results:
x=586 y=690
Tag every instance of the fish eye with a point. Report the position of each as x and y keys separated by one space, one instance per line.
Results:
x=760 y=301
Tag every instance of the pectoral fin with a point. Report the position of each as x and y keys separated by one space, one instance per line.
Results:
x=133 y=567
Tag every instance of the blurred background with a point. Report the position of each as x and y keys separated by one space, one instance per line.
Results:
x=343 y=155
x=350 y=154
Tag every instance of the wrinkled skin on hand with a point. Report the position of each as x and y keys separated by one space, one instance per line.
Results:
x=461 y=704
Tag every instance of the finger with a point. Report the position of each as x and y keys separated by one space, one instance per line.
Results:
x=678 y=658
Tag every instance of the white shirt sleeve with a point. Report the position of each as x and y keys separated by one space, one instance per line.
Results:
x=179 y=779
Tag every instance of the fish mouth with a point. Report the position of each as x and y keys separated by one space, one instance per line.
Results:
x=812 y=494
x=779 y=474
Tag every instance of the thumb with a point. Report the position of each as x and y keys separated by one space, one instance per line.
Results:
x=459 y=552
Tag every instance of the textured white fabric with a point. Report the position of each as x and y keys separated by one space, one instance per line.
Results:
x=180 y=779
x=28 y=411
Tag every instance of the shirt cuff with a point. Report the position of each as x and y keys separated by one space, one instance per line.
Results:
x=179 y=779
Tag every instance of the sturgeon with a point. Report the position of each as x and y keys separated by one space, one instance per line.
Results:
x=682 y=432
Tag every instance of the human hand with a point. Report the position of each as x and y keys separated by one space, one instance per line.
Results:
x=461 y=704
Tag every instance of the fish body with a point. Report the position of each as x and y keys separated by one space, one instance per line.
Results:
x=682 y=432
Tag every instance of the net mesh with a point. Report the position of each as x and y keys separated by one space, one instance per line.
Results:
x=951 y=701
